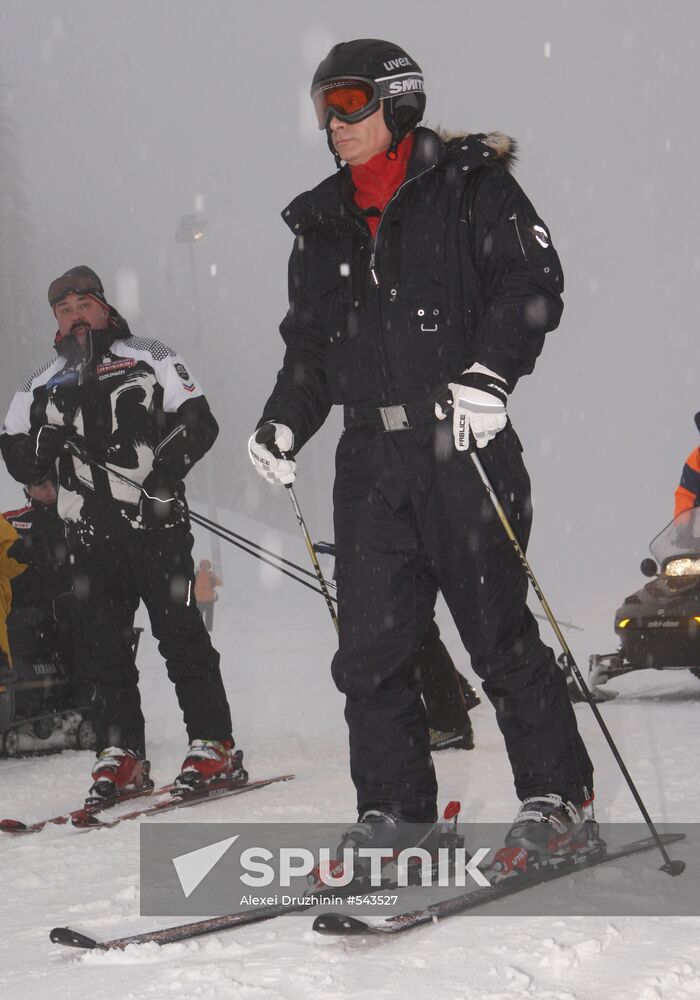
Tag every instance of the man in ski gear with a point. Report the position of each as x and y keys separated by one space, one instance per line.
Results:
x=688 y=490
x=111 y=401
x=42 y=545
x=40 y=623
x=421 y=279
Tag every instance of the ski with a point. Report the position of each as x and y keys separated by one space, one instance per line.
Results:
x=340 y=924
x=182 y=932
x=19 y=827
x=87 y=820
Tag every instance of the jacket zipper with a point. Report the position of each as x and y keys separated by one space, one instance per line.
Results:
x=514 y=219
x=397 y=192
x=384 y=367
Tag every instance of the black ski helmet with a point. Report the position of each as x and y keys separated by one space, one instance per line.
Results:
x=397 y=77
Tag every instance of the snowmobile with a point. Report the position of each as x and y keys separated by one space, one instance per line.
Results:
x=659 y=625
x=39 y=712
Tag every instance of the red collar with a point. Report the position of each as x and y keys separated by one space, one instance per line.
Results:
x=377 y=180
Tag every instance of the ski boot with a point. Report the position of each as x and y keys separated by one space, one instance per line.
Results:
x=118 y=773
x=210 y=762
x=383 y=829
x=457 y=739
x=546 y=829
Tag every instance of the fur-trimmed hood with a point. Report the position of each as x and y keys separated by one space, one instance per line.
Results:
x=504 y=147
x=322 y=207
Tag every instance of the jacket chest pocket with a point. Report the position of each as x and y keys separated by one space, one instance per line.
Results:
x=338 y=322
x=437 y=339
x=427 y=318
x=347 y=360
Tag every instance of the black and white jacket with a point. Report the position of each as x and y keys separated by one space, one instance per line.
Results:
x=135 y=404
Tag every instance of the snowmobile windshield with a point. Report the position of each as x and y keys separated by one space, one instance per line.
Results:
x=677 y=548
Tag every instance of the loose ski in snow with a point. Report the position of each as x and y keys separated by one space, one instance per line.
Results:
x=87 y=820
x=18 y=826
x=340 y=924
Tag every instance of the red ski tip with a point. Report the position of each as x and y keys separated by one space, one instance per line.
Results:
x=12 y=825
x=452 y=809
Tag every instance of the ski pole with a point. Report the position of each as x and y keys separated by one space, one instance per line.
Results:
x=212 y=526
x=266 y=436
x=314 y=560
x=205 y=522
x=669 y=866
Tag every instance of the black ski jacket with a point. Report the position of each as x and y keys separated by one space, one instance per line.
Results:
x=135 y=405
x=42 y=545
x=462 y=270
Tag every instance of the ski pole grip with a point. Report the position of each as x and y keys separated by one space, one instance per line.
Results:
x=266 y=435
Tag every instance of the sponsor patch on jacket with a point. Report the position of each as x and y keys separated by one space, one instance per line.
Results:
x=188 y=383
x=115 y=366
x=21 y=525
x=67 y=376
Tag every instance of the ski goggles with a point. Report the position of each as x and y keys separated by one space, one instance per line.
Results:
x=350 y=99
x=75 y=284
x=353 y=98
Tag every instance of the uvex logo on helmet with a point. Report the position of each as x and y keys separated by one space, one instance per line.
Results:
x=399 y=63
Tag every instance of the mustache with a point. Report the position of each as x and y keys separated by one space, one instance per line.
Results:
x=79 y=324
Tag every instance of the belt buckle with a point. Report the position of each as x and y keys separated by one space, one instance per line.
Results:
x=394 y=418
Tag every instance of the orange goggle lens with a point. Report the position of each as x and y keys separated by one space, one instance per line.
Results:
x=351 y=102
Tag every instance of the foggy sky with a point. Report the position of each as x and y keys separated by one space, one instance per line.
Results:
x=130 y=114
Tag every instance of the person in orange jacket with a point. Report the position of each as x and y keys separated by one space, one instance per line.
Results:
x=9 y=569
x=688 y=490
x=205 y=585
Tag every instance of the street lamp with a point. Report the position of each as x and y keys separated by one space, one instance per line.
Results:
x=190 y=229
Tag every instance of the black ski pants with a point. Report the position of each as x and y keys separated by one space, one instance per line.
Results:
x=440 y=683
x=109 y=578
x=412 y=517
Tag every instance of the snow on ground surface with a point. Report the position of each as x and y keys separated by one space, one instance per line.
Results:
x=276 y=643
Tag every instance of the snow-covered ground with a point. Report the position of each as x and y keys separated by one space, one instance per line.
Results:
x=276 y=643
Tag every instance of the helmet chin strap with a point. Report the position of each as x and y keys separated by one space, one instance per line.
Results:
x=336 y=154
x=392 y=125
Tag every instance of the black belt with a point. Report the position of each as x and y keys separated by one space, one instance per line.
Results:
x=401 y=417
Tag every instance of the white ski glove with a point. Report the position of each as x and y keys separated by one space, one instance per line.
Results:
x=266 y=448
x=478 y=402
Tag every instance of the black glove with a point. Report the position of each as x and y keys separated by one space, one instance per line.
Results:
x=158 y=494
x=49 y=442
x=33 y=550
